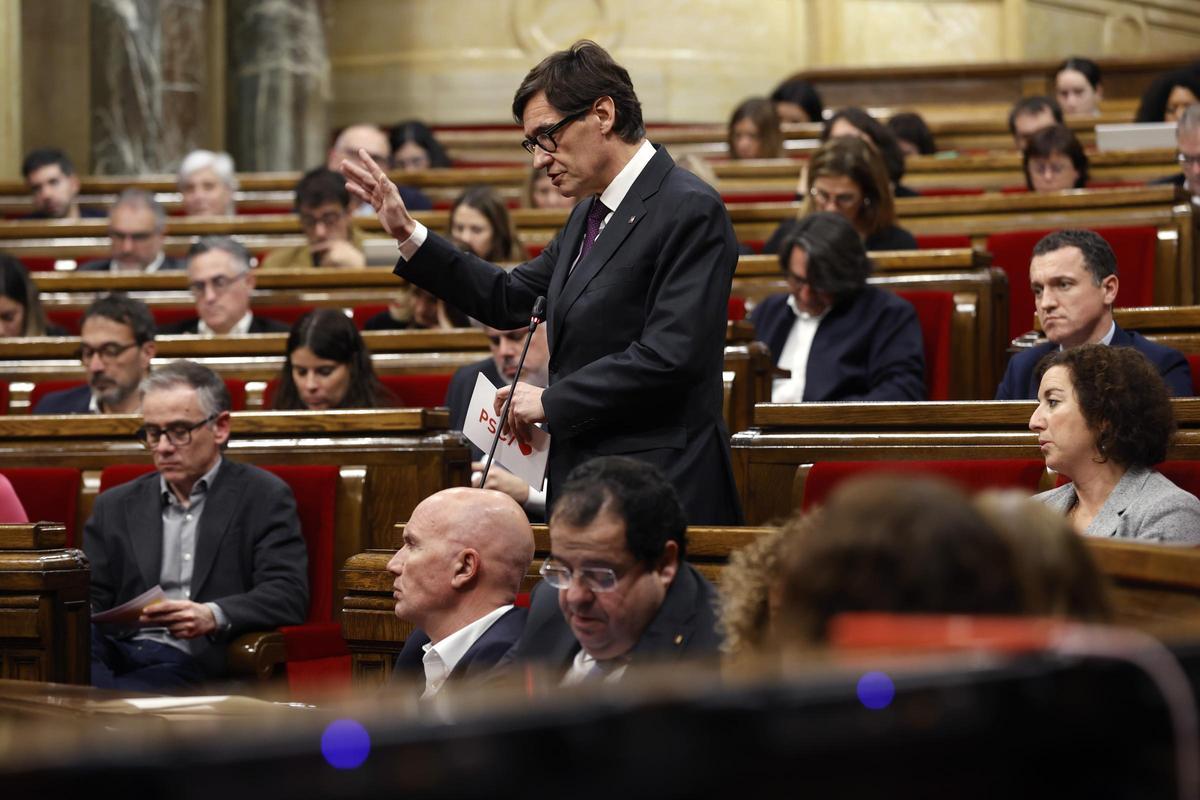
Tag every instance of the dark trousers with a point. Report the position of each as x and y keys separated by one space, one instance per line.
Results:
x=142 y=666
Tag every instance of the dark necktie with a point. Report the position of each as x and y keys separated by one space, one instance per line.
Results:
x=595 y=216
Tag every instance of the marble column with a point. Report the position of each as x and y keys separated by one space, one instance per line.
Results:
x=148 y=73
x=279 y=84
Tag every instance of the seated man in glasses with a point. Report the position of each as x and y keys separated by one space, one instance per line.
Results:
x=616 y=589
x=116 y=346
x=837 y=337
x=464 y=555
x=219 y=278
x=1187 y=145
x=323 y=204
x=137 y=228
x=220 y=538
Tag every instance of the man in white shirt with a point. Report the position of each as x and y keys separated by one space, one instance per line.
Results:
x=458 y=571
x=220 y=279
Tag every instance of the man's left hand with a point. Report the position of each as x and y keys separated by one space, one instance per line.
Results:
x=183 y=618
x=526 y=409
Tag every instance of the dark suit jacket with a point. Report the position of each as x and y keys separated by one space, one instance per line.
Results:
x=66 y=401
x=458 y=394
x=105 y=265
x=479 y=659
x=250 y=557
x=1019 y=382
x=636 y=332
x=684 y=627
x=893 y=238
x=868 y=347
x=257 y=325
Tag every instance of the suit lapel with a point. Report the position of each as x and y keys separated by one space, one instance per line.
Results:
x=1124 y=493
x=571 y=240
x=219 y=505
x=144 y=524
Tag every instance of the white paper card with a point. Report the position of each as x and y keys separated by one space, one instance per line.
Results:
x=526 y=461
x=128 y=612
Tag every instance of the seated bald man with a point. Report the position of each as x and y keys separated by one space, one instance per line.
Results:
x=464 y=554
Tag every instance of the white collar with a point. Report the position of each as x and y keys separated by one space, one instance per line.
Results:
x=801 y=313
x=442 y=657
x=241 y=326
x=621 y=184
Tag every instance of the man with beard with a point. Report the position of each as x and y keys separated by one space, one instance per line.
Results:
x=116 y=346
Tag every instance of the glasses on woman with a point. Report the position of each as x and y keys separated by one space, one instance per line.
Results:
x=177 y=433
x=844 y=201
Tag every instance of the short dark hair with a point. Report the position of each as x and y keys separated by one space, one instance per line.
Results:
x=319 y=186
x=1084 y=66
x=837 y=259
x=893 y=544
x=637 y=493
x=1056 y=139
x=910 y=127
x=1123 y=399
x=224 y=244
x=211 y=390
x=44 y=157
x=123 y=309
x=575 y=78
x=1098 y=255
x=883 y=139
x=1033 y=105
x=330 y=334
x=803 y=94
x=418 y=133
x=16 y=285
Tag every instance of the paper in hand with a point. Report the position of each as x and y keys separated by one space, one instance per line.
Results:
x=128 y=613
x=526 y=461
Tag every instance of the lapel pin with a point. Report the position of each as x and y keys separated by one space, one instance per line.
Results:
x=631 y=219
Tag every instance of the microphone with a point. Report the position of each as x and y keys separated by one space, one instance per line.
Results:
x=536 y=316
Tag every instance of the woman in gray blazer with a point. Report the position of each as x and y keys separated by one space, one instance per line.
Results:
x=1104 y=420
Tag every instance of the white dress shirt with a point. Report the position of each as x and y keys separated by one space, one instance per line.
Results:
x=241 y=326
x=795 y=355
x=586 y=668
x=441 y=658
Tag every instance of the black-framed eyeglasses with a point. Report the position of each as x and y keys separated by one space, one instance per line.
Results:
x=177 y=433
x=596 y=579
x=1186 y=160
x=545 y=139
x=107 y=352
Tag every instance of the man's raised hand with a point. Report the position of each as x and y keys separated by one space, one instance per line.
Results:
x=366 y=181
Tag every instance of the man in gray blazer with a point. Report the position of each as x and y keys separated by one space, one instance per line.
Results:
x=221 y=539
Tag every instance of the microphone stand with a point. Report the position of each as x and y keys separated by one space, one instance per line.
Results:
x=539 y=312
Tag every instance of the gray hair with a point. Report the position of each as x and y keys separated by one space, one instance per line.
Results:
x=140 y=198
x=220 y=163
x=211 y=391
x=225 y=244
x=1190 y=121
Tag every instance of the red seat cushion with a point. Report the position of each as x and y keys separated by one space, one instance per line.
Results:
x=1184 y=474
x=418 y=391
x=66 y=318
x=285 y=314
x=1134 y=248
x=361 y=314
x=237 y=392
x=737 y=309
x=315 y=488
x=117 y=474
x=935 y=312
x=49 y=494
x=4 y=397
x=973 y=475
x=1194 y=364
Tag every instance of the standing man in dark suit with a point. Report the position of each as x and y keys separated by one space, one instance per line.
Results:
x=222 y=539
x=220 y=279
x=836 y=336
x=637 y=285
x=137 y=228
x=116 y=347
x=617 y=591
x=1073 y=276
x=464 y=555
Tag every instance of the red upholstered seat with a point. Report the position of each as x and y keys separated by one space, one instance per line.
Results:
x=942 y=241
x=1134 y=248
x=4 y=397
x=408 y=391
x=973 y=475
x=1194 y=364
x=950 y=191
x=360 y=314
x=49 y=494
x=737 y=308
x=164 y=316
x=285 y=314
x=1184 y=474
x=65 y=318
x=236 y=387
x=935 y=312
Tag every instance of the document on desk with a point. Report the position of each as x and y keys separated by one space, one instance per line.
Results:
x=127 y=613
x=526 y=461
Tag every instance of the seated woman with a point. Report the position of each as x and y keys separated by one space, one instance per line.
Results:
x=327 y=366
x=1104 y=420
x=480 y=220
x=1077 y=87
x=912 y=134
x=754 y=130
x=840 y=338
x=859 y=124
x=847 y=176
x=207 y=182
x=1054 y=160
x=797 y=100
x=414 y=147
x=21 y=312
x=1168 y=95
x=539 y=192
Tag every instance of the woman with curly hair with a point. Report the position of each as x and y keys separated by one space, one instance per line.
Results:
x=749 y=594
x=1104 y=420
